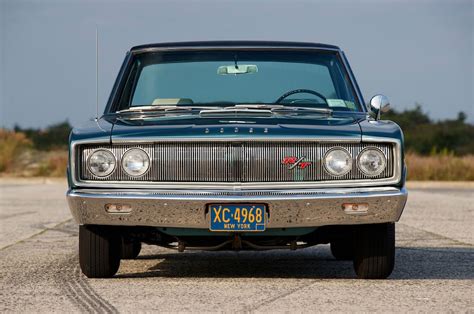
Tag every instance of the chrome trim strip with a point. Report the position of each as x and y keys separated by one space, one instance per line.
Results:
x=217 y=194
x=73 y=158
x=395 y=179
x=245 y=162
x=397 y=156
x=352 y=78
x=151 y=140
x=315 y=194
x=226 y=48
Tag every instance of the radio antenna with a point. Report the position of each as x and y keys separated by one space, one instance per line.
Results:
x=97 y=72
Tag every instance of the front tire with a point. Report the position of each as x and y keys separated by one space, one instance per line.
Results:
x=374 y=251
x=99 y=251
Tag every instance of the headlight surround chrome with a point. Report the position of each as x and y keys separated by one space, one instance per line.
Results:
x=371 y=161
x=101 y=162
x=337 y=161
x=135 y=162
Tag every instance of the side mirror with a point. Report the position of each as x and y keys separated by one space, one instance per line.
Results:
x=379 y=104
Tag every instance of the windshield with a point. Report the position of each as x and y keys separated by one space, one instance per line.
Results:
x=223 y=78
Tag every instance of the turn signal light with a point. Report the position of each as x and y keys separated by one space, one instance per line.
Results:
x=355 y=208
x=118 y=208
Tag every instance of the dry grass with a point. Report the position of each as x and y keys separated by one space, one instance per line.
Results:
x=440 y=167
x=33 y=163
x=54 y=164
x=19 y=159
x=12 y=144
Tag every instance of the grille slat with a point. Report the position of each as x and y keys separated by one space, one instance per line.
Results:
x=234 y=162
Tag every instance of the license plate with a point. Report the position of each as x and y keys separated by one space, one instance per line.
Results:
x=237 y=217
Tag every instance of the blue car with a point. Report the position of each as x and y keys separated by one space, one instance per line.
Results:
x=237 y=145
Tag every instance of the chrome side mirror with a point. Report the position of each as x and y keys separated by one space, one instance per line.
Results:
x=379 y=104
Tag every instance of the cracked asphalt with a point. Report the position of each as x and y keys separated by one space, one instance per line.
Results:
x=39 y=270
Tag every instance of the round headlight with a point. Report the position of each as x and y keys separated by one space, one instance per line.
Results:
x=101 y=163
x=338 y=161
x=135 y=162
x=371 y=161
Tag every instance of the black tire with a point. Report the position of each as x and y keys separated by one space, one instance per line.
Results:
x=374 y=251
x=99 y=251
x=342 y=249
x=130 y=249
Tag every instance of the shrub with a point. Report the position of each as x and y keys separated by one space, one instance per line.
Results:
x=12 y=145
x=53 y=137
x=53 y=165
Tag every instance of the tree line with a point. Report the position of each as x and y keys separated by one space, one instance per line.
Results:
x=428 y=137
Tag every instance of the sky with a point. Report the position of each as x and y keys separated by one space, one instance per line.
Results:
x=411 y=51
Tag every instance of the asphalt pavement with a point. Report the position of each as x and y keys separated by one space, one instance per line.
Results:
x=39 y=270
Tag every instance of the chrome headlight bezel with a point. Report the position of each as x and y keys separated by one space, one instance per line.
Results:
x=110 y=170
x=348 y=166
x=381 y=168
x=147 y=162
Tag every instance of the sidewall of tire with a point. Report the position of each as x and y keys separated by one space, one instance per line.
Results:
x=374 y=250
x=99 y=251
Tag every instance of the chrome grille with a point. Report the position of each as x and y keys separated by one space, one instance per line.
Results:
x=234 y=162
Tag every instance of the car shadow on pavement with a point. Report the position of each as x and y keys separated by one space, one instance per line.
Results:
x=314 y=263
x=434 y=263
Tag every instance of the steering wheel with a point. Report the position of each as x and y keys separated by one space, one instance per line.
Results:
x=298 y=91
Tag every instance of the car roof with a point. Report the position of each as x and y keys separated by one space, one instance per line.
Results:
x=231 y=44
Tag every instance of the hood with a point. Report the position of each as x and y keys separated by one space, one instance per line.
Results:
x=238 y=127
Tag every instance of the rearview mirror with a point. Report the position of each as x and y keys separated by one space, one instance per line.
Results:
x=237 y=69
x=379 y=104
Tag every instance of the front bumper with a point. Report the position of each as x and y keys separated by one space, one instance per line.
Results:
x=286 y=209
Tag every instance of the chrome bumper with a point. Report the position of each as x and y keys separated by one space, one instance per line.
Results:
x=287 y=209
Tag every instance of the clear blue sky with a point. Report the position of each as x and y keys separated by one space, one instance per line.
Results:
x=411 y=51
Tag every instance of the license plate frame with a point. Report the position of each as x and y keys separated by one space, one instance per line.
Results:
x=237 y=217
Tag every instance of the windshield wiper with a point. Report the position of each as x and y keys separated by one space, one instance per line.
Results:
x=161 y=109
x=150 y=112
x=266 y=109
x=235 y=111
x=303 y=109
x=279 y=108
x=146 y=112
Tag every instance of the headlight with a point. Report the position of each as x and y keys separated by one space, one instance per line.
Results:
x=371 y=161
x=135 y=162
x=338 y=162
x=101 y=162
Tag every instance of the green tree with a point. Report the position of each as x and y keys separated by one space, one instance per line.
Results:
x=424 y=136
x=54 y=136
